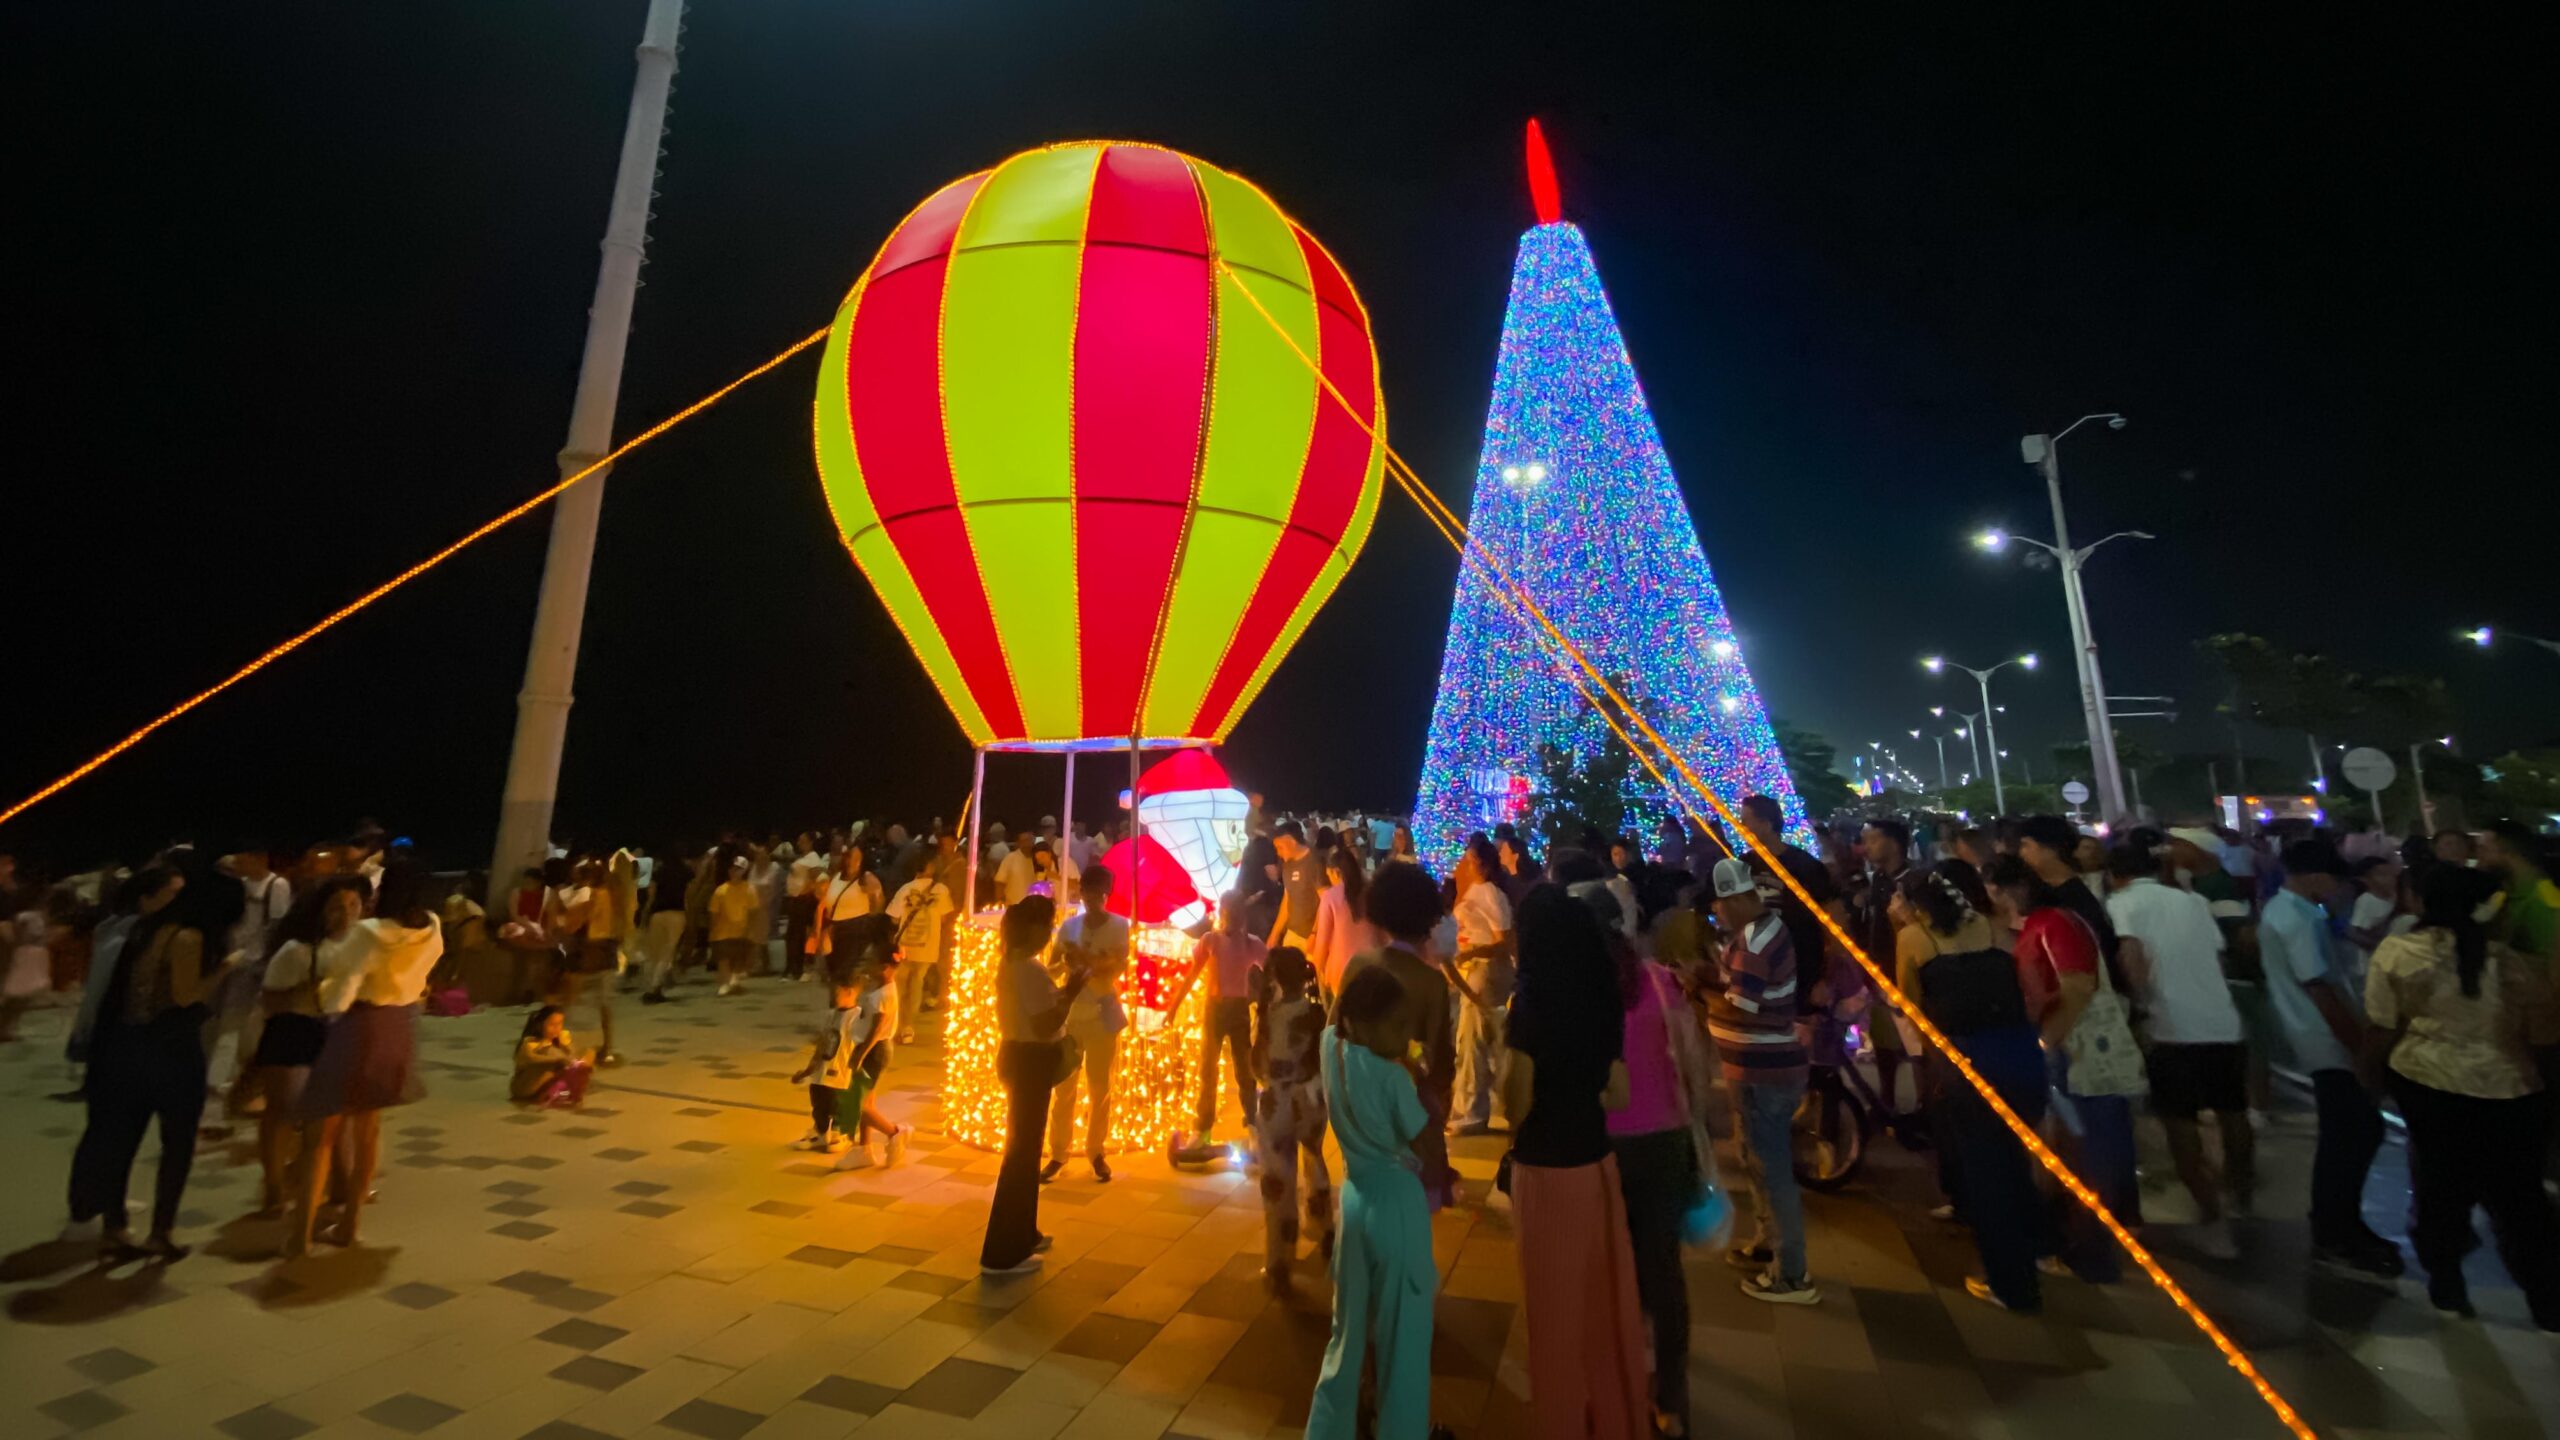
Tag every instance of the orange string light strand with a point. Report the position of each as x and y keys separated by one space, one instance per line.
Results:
x=1452 y=527
x=485 y=530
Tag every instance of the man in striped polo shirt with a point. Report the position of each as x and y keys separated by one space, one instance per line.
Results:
x=1753 y=1019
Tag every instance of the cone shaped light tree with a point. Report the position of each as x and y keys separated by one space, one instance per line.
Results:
x=1576 y=499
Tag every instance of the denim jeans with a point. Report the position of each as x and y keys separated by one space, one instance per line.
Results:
x=1768 y=1114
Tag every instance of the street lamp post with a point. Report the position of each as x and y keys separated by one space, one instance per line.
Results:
x=1941 y=742
x=551 y=659
x=1990 y=732
x=2485 y=636
x=2045 y=452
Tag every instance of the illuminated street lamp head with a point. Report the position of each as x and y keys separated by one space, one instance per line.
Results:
x=2480 y=637
x=2027 y=660
x=1962 y=731
x=1991 y=539
x=1915 y=734
x=1938 y=710
x=1933 y=664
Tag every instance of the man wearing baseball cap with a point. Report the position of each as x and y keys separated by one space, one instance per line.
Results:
x=1753 y=1020
x=2319 y=1012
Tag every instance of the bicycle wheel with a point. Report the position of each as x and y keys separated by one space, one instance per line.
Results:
x=1832 y=1126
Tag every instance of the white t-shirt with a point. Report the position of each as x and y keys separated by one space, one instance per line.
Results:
x=1106 y=938
x=2371 y=910
x=1013 y=876
x=268 y=903
x=2188 y=999
x=876 y=1013
x=1482 y=913
x=919 y=909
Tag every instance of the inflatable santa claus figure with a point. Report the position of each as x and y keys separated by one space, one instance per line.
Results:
x=1187 y=805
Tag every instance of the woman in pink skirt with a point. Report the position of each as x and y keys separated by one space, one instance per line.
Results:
x=1567 y=1035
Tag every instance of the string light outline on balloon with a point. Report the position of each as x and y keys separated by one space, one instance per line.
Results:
x=1454 y=529
x=1174 y=476
x=483 y=531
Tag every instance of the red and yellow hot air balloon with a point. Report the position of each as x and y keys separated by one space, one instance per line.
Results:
x=1098 y=491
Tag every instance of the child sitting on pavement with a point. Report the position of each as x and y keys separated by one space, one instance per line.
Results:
x=550 y=1070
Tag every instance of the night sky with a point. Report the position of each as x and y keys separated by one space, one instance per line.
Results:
x=300 y=291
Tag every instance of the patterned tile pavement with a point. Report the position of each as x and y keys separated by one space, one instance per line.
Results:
x=661 y=1264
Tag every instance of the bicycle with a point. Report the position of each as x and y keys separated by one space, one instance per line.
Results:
x=1833 y=1124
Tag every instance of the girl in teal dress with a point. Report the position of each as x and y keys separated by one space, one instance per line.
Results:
x=1383 y=1277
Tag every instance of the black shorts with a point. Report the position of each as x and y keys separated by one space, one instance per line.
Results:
x=2187 y=1079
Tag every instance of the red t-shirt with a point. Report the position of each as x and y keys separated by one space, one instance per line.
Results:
x=2052 y=943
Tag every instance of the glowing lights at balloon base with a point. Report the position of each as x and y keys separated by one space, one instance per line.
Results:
x=1154 y=1079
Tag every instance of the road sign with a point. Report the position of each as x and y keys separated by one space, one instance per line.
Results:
x=2369 y=769
x=2075 y=792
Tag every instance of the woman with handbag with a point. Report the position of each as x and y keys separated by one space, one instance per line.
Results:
x=1951 y=962
x=2089 y=1053
x=1666 y=1166
x=146 y=1055
x=1031 y=1012
x=1567 y=1072
x=319 y=924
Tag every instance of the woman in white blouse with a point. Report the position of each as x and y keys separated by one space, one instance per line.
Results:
x=371 y=988
x=311 y=937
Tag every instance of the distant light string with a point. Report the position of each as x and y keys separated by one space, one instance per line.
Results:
x=1455 y=531
x=486 y=529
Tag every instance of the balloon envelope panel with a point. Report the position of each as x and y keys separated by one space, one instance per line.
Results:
x=1100 y=494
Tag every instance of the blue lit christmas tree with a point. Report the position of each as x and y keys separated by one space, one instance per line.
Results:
x=1576 y=500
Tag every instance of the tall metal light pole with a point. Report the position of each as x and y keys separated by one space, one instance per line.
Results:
x=2045 y=451
x=1941 y=741
x=1990 y=732
x=551 y=661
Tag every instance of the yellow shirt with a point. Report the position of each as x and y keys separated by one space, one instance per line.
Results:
x=733 y=911
x=2477 y=1045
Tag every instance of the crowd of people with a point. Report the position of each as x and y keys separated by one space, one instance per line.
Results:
x=1615 y=1010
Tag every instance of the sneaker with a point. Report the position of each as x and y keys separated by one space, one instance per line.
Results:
x=836 y=1143
x=653 y=997
x=1750 y=1257
x=1767 y=1286
x=1041 y=1245
x=1101 y=1170
x=1052 y=1170
x=1980 y=1289
x=896 y=1150
x=608 y=1059
x=853 y=1157
x=727 y=989
x=1030 y=1264
x=2213 y=1241
x=2451 y=1294
x=2376 y=1260
x=810 y=1141
x=2052 y=1268
x=1942 y=1213
x=906 y=1037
